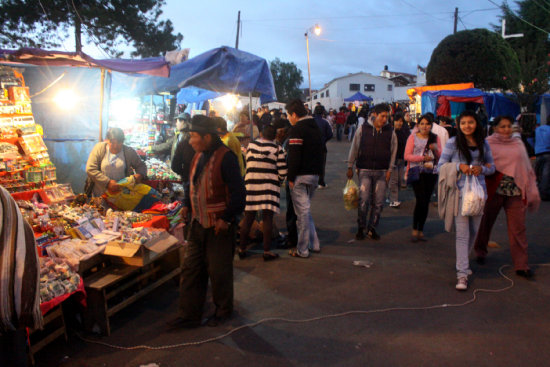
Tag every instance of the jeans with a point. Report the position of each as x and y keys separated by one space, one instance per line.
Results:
x=396 y=179
x=322 y=175
x=372 y=191
x=302 y=193
x=466 y=231
x=339 y=131
x=542 y=169
x=291 y=218
x=351 y=132
x=423 y=189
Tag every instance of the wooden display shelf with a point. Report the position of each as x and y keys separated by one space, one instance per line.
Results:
x=54 y=327
x=115 y=287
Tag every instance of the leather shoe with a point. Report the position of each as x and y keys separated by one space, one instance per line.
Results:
x=181 y=323
x=214 y=320
x=525 y=273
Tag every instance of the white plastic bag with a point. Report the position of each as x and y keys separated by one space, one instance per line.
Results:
x=351 y=195
x=473 y=197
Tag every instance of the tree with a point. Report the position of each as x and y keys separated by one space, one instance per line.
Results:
x=287 y=79
x=533 y=49
x=109 y=24
x=477 y=56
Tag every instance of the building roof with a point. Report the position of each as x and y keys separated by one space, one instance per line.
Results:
x=350 y=75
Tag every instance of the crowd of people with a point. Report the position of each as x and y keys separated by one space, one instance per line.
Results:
x=229 y=175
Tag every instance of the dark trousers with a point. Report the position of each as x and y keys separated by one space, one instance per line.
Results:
x=207 y=256
x=291 y=219
x=13 y=349
x=423 y=189
x=322 y=175
x=515 y=210
x=267 y=228
x=542 y=169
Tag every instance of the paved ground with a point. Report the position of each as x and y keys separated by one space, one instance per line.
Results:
x=399 y=320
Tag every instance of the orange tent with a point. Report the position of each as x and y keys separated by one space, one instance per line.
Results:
x=420 y=90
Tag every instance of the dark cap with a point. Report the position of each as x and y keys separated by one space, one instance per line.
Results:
x=184 y=116
x=203 y=125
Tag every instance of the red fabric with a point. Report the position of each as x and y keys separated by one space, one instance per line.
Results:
x=492 y=183
x=27 y=195
x=444 y=108
x=158 y=221
x=80 y=296
x=340 y=118
x=155 y=183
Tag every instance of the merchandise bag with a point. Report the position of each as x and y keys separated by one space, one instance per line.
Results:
x=135 y=197
x=473 y=197
x=351 y=195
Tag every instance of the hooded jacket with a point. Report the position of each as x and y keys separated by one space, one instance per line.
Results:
x=305 y=149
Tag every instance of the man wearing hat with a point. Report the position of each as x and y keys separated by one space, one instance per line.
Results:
x=217 y=195
x=183 y=153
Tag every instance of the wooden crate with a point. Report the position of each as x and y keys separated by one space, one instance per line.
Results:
x=115 y=287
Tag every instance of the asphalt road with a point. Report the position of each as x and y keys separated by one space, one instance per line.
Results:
x=323 y=311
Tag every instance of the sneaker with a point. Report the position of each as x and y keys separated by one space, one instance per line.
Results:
x=462 y=284
x=395 y=204
x=321 y=187
x=373 y=234
x=360 y=235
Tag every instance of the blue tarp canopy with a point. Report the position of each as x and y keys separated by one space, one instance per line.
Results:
x=496 y=104
x=358 y=97
x=195 y=95
x=224 y=69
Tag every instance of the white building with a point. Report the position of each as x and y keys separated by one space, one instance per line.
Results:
x=332 y=95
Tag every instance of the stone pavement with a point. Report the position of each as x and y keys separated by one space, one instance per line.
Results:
x=400 y=320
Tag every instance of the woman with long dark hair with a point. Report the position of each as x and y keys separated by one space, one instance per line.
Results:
x=472 y=156
x=514 y=188
x=422 y=152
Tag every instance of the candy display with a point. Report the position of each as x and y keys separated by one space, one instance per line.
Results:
x=56 y=279
x=159 y=170
x=24 y=160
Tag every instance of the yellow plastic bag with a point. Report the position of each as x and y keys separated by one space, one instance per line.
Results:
x=351 y=195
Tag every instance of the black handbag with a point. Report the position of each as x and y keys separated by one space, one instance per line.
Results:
x=413 y=175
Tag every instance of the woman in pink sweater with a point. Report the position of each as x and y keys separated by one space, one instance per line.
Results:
x=422 y=152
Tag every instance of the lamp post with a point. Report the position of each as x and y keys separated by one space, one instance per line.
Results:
x=317 y=30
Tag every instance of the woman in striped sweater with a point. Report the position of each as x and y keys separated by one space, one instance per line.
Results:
x=265 y=170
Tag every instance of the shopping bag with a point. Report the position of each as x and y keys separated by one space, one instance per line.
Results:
x=132 y=196
x=351 y=195
x=413 y=175
x=473 y=197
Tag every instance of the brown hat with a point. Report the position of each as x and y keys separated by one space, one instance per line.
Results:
x=203 y=125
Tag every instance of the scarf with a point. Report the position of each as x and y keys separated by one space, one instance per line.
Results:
x=511 y=159
x=19 y=269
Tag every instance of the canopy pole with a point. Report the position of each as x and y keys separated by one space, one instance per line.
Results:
x=250 y=116
x=101 y=98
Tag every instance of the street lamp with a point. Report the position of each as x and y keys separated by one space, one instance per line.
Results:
x=317 y=30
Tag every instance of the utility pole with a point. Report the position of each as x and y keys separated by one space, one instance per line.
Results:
x=238 y=30
x=456 y=20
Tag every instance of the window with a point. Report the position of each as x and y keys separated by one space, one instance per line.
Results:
x=354 y=87
x=390 y=87
x=323 y=95
x=327 y=93
x=369 y=88
x=315 y=96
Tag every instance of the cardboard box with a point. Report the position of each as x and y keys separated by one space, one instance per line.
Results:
x=140 y=255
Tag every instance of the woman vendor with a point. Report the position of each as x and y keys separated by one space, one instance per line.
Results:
x=110 y=161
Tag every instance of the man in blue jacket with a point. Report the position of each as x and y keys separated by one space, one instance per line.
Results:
x=542 y=152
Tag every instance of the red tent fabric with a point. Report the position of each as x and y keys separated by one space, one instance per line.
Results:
x=444 y=108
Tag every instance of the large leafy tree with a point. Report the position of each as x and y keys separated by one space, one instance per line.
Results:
x=477 y=56
x=287 y=79
x=110 y=24
x=532 y=18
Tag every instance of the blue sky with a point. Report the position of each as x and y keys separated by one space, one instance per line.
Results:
x=357 y=35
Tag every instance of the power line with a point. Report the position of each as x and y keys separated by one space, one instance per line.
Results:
x=424 y=12
x=46 y=15
x=523 y=20
x=461 y=22
x=541 y=6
